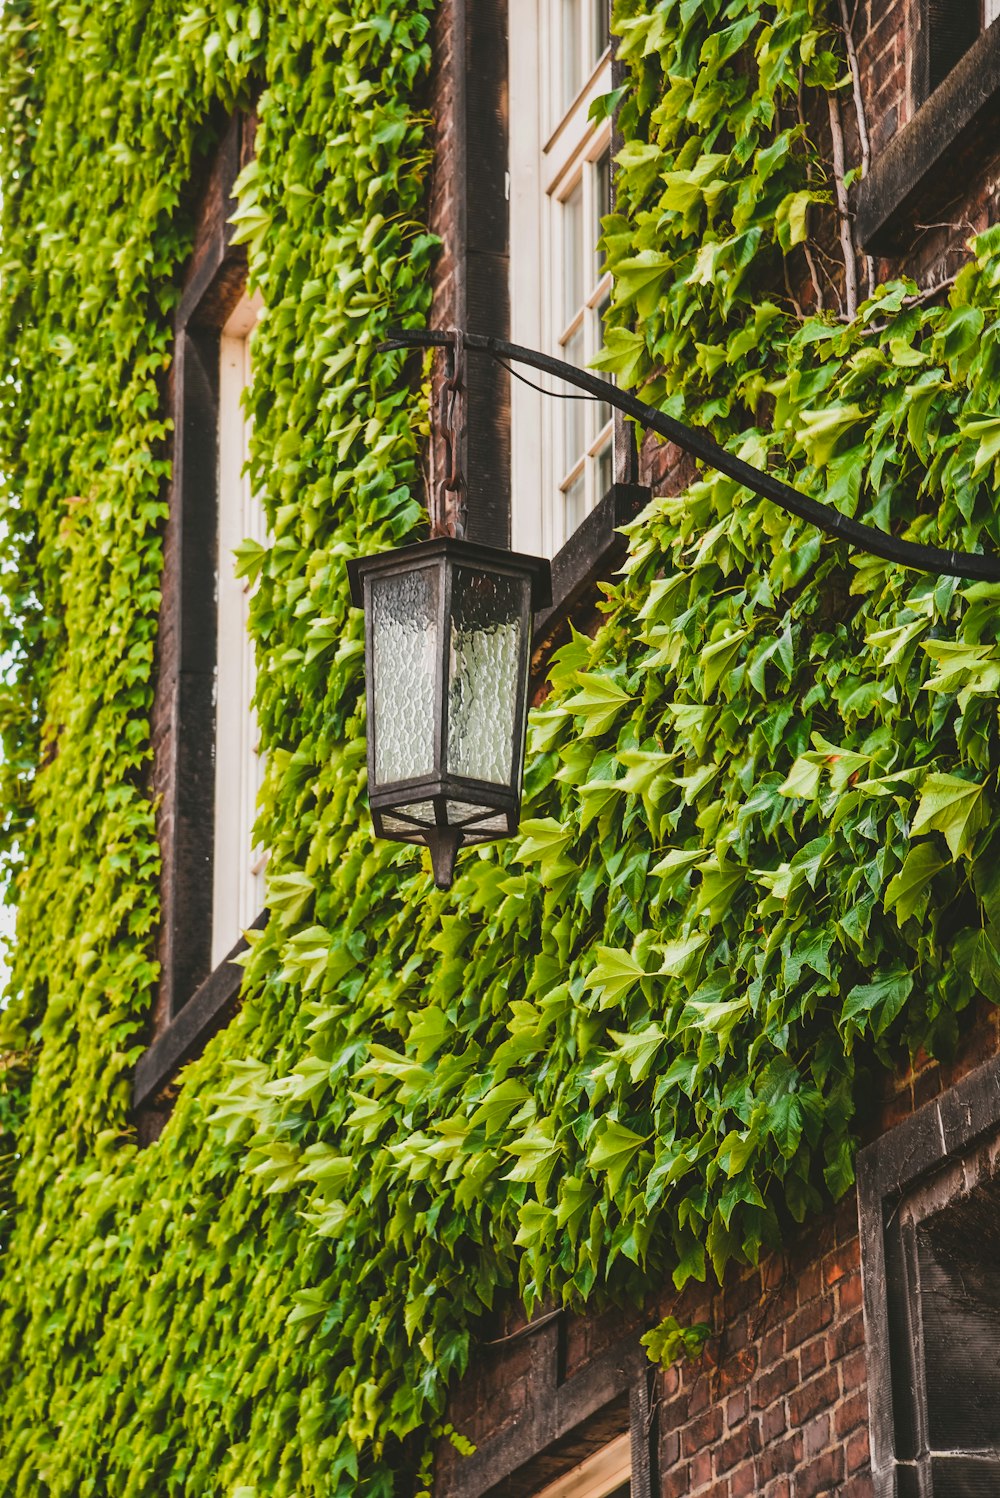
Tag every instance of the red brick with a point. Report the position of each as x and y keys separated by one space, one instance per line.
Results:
x=737 y=1409
x=783 y=1457
x=810 y=1320
x=847 y=1334
x=773 y=1346
x=857 y=1450
x=844 y=1261
x=674 y=1413
x=860 y=1486
x=676 y=1482
x=773 y=1423
x=818 y=1394
x=702 y=1432
x=699 y=1396
x=736 y=1448
x=849 y=1293
x=743 y=1483
x=851 y=1413
x=816 y=1436
x=773 y=1385
x=854 y=1371
x=813 y=1356
x=809 y=1284
x=823 y=1475
x=701 y=1469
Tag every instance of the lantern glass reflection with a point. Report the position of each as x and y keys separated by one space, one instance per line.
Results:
x=447 y=646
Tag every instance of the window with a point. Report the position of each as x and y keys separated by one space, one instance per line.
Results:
x=920 y=171
x=560 y=188
x=606 y=1474
x=206 y=769
x=237 y=867
x=952 y=28
x=929 y=1196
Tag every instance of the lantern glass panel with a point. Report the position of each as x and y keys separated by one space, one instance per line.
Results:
x=488 y=613
x=405 y=655
x=482 y=818
x=420 y=811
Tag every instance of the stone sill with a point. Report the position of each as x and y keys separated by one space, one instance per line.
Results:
x=932 y=160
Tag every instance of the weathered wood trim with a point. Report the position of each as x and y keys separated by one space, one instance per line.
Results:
x=183 y=719
x=567 y=1420
x=209 y=1008
x=592 y=553
x=183 y=716
x=927 y=165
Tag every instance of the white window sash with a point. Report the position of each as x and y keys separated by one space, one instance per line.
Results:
x=550 y=151
x=237 y=867
x=600 y=1474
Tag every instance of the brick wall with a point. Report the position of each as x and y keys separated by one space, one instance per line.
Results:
x=777 y=1405
x=884 y=37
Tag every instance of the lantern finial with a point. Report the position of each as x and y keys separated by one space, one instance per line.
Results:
x=444 y=843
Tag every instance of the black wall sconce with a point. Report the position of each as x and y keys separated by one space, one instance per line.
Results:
x=448 y=626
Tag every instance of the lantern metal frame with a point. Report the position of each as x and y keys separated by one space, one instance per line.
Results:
x=443 y=787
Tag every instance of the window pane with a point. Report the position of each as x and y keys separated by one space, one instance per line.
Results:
x=605 y=473
x=575 y=503
x=602 y=200
x=573 y=253
x=573 y=410
x=572 y=46
x=602 y=26
x=599 y=314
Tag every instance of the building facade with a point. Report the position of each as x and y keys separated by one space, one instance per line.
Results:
x=659 y=1155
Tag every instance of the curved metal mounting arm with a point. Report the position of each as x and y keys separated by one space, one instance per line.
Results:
x=701 y=446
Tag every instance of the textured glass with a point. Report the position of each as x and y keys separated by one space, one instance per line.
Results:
x=488 y=819
x=405 y=653
x=422 y=811
x=483 y=679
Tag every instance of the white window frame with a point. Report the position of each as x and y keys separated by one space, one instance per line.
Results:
x=599 y=1475
x=237 y=866
x=551 y=150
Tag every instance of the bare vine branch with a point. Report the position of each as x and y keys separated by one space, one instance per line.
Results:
x=847 y=22
x=810 y=262
x=843 y=212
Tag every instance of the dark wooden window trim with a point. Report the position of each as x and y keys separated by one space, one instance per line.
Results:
x=567 y=1420
x=192 y=1000
x=593 y=552
x=905 y=1167
x=929 y=164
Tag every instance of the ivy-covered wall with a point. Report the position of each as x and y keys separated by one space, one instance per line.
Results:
x=759 y=856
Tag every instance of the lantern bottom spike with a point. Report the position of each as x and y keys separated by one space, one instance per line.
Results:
x=444 y=843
